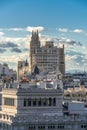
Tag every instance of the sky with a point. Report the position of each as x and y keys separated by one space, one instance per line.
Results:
x=62 y=21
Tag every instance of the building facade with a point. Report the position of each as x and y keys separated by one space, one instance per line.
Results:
x=6 y=72
x=29 y=107
x=76 y=94
x=48 y=57
x=22 y=69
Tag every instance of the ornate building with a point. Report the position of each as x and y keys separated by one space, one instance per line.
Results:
x=22 y=69
x=48 y=57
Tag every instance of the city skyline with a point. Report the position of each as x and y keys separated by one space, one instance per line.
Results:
x=62 y=21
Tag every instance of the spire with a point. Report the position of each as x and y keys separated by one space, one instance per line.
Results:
x=36 y=70
x=26 y=63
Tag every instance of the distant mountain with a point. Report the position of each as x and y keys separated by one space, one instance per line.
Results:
x=75 y=71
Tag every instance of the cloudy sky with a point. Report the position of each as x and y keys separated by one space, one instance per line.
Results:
x=63 y=21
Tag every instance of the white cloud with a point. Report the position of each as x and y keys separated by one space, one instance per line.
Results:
x=39 y=28
x=13 y=58
x=68 y=57
x=16 y=29
x=78 y=31
x=1 y=33
x=63 y=30
x=29 y=28
x=17 y=40
x=44 y=38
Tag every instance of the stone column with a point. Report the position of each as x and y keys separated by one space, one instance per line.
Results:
x=37 y=102
x=46 y=127
x=32 y=102
x=36 y=127
x=51 y=101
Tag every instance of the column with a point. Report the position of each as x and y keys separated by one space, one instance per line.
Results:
x=32 y=102
x=37 y=102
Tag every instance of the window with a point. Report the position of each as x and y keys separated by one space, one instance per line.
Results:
x=51 y=126
x=45 y=51
x=39 y=102
x=41 y=127
x=9 y=101
x=84 y=126
x=32 y=127
x=50 y=102
x=27 y=102
x=67 y=95
x=61 y=126
x=44 y=102
x=34 y=102
x=54 y=101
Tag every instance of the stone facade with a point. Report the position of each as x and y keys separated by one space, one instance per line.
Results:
x=30 y=108
x=48 y=57
x=34 y=108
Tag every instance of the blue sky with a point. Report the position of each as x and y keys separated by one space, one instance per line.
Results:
x=49 y=13
x=63 y=21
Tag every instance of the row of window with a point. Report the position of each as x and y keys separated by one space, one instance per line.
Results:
x=52 y=51
x=45 y=56
x=32 y=102
x=40 y=102
x=9 y=101
x=46 y=51
x=73 y=95
x=84 y=126
x=50 y=126
x=47 y=62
